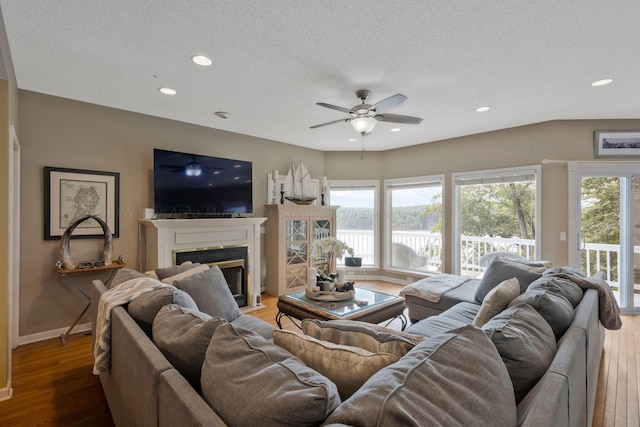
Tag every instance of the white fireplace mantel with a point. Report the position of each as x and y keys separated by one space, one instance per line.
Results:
x=162 y=237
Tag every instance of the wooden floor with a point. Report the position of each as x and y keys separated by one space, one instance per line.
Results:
x=54 y=386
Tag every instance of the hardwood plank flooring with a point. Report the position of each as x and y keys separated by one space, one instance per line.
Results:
x=54 y=386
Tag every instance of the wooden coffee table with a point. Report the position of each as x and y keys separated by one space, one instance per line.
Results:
x=367 y=306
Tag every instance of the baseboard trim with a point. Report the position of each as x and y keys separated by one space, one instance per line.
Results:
x=6 y=393
x=56 y=333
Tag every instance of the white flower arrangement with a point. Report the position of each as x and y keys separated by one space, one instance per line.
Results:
x=330 y=245
x=331 y=248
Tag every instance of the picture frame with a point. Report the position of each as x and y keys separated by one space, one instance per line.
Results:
x=70 y=194
x=616 y=143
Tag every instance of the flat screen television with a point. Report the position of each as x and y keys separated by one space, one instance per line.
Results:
x=196 y=186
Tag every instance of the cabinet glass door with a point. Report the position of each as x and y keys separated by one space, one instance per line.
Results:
x=297 y=243
x=321 y=228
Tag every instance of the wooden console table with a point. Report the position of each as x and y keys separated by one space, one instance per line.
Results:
x=110 y=270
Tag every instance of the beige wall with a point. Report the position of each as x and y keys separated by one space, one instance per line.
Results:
x=526 y=145
x=65 y=133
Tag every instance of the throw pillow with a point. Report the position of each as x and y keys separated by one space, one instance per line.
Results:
x=183 y=336
x=124 y=274
x=210 y=291
x=144 y=308
x=362 y=335
x=526 y=344
x=347 y=366
x=456 y=378
x=171 y=280
x=497 y=300
x=499 y=271
x=240 y=363
x=165 y=272
x=554 y=308
x=560 y=286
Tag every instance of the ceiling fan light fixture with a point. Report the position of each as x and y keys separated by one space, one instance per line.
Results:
x=364 y=125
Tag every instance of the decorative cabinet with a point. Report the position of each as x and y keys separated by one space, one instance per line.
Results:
x=290 y=231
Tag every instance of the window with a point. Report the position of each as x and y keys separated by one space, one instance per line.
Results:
x=495 y=211
x=357 y=217
x=414 y=223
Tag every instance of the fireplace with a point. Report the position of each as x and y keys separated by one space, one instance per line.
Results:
x=238 y=238
x=233 y=261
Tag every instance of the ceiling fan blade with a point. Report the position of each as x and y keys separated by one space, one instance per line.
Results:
x=333 y=107
x=396 y=118
x=329 y=123
x=390 y=102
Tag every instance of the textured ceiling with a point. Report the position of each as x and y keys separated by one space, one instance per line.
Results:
x=531 y=61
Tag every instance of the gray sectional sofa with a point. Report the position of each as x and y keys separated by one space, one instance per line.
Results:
x=446 y=371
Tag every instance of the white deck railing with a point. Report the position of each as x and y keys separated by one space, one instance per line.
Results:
x=595 y=256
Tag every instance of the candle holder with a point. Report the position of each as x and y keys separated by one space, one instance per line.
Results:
x=322 y=199
x=282 y=197
x=274 y=198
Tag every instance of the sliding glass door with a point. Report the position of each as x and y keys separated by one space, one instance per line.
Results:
x=607 y=233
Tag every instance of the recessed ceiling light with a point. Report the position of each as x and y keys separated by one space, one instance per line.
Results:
x=352 y=140
x=482 y=109
x=395 y=129
x=167 y=91
x=222 y=114
x=201 y=60
x=602 y=82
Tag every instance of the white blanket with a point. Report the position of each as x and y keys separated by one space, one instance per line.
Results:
x=114 y=297
x=432 y=288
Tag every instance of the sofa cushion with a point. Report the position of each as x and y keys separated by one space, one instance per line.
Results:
x=497 y=300
x=554 y=308
x=500 y=270
x=254 y=324
x=124 y=274
x=144 y=308
x=456 y=378
x=360 y=334
x=436 y=325
x=526 y=344
x=165 y=272
x=559 y=286
x=171 y=280
x=210 y=291
x=347 y=366
x=183 y=336
x=249 y=381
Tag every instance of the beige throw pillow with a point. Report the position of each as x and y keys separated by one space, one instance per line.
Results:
x=346 y=366
x=497 y=300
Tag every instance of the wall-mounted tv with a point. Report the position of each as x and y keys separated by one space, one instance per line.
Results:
x=195 y=186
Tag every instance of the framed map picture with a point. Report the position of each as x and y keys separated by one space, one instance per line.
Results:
x=70 y=194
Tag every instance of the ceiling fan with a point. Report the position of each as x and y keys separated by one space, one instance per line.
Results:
x=364 y=117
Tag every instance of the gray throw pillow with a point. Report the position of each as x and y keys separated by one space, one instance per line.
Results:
x=183 y=336
x=144 y=308
x=163 y=273
x=456 y=378
x=560 y=286
x=526 y=344
x=124 y=274
x=555 y=309
x=499 y=271
x=210 y=291
x=249 y=381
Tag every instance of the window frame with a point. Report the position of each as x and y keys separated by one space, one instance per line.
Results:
x=397 y=183
x=489 y=175
x=361 y=184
